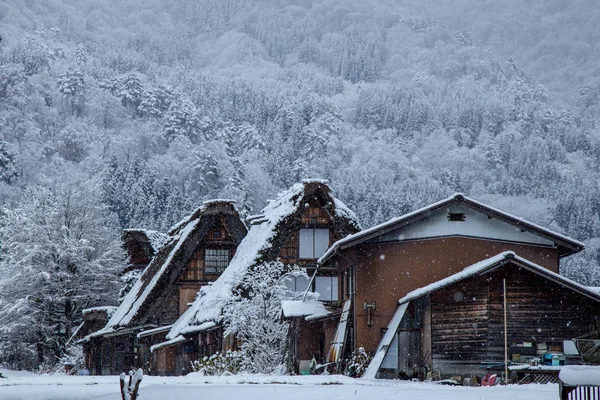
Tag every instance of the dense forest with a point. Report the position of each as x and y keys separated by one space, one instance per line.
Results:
x=120 y=115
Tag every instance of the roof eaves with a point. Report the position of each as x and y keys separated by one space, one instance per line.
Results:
x=573 y=245
x=387 y=226
x=493 y=263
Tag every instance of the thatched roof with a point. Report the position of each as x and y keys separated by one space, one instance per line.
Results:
x=142 y=303
x=268 y=232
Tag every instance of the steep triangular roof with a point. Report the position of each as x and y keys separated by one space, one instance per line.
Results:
x=565 y=244
x=176 y=252
x=257 y=246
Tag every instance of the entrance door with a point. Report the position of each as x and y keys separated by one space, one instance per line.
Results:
x=409 y=352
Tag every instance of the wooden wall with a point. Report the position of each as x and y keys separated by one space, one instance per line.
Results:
x=387 y=272
x=467 y=317
x=314 y=338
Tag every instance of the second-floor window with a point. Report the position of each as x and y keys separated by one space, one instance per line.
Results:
x=327 y=287
x=215 y=260
x=313 y=243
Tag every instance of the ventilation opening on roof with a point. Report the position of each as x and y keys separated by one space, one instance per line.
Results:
x=456 y=217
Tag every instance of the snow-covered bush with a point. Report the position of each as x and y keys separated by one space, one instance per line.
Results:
x=72 y=362
x=219 y=363
x=357 y=364
x=15 y=354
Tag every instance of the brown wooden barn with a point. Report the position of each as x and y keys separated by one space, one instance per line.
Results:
x=456 y=326
x=296 y=228
x=380 y=265
x=197 y=251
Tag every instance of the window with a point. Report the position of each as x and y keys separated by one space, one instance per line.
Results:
x=297 y=283
x=313 y=243
x=456 y=217
x=327 y=287
x=215 y=260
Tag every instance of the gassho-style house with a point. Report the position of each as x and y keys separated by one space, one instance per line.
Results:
x=447 y=288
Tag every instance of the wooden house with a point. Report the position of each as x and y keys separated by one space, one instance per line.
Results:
x=456 y=326
x=197 y=251
x=296 y=228
x=378 y=266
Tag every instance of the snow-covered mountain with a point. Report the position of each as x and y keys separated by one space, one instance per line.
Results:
x=151 y=107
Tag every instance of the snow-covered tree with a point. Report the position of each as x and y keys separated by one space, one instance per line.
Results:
x=9 y=171
x=254 y=317
x=184 y=119
x=72 y=87
x=60 y=254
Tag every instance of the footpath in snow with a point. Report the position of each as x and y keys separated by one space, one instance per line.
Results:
x=21 y=386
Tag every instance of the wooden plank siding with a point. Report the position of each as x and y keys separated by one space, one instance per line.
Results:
x=459 y=323
x=387 y=272
x=467 y=318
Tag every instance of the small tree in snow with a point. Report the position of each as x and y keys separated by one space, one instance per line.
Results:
x=72 y=358
x=254 y=317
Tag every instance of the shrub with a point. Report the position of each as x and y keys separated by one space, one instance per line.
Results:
x=218 y=364
x=357 y=364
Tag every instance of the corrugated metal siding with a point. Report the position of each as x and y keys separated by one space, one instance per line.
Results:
x=476 y=224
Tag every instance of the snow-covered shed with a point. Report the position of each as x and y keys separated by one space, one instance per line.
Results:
x=296 y=229
x=455 y=326
x=196 y=252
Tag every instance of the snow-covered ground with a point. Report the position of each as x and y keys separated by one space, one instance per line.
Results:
x=20 y=385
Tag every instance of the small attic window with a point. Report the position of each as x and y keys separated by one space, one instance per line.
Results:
x=216 y=234
x=456 y=217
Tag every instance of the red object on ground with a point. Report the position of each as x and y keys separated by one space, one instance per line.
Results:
x=489 y=380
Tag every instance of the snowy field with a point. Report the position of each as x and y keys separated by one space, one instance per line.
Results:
x=33 y=387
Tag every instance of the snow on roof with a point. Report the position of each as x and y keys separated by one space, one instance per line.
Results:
x=150 y=332
x=211 y=299
x=316 y=180
x=109 y=310
x=199 y=211
x=489 y=264
x=299 y=308
x=457 y=197
x=159 y=265
x=580 y=375
x=178 y=339
x=145 y=284
x=75 y=333
x=342 y=211
x=156 y=239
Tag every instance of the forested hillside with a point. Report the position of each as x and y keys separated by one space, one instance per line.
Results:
x=148 y=108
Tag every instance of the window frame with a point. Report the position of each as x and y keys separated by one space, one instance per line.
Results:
x=333 y=288
x=312 y=242
x=220 y=259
